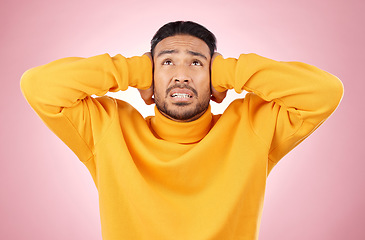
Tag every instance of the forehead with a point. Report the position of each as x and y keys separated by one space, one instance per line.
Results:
x=183 y=43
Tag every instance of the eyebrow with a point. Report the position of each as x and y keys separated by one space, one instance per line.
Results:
x=176 y=51
x=197 y=54
x=166 y=52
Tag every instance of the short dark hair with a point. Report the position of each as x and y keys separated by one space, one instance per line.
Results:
x=184 y=28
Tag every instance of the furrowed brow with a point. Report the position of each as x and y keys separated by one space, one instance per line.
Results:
x=166 y=52
x=198 y=54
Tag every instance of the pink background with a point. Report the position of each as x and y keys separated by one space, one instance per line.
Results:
x=315 y=192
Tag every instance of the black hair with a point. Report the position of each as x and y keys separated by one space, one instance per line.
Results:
x=184 y=28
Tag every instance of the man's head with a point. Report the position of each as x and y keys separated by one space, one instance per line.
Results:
x=184 y=28
x=182 y=53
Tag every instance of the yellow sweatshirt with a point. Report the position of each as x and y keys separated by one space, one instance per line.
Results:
x=161 y=180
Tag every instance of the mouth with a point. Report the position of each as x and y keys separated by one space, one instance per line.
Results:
x=181 y=95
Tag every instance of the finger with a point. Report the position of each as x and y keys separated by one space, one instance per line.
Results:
x=213 y=99
x=149 y=100
x=147 y=95
x=217 y=100
x=219 y=96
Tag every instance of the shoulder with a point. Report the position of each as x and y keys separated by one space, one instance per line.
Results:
x=115 y=106
x=250 y=108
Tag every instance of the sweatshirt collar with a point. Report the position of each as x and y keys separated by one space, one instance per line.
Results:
x=181 y=132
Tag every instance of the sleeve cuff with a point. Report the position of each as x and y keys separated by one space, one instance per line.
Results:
x=140 y=72
x=134 y=72
x=223 y=73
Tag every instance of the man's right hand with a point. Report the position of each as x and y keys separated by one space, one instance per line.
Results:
x=147 y=94
x=216 y=96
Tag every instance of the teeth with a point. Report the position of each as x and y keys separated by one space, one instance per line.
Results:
x=181 y=95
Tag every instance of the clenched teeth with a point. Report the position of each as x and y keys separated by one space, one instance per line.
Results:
x=181 y=95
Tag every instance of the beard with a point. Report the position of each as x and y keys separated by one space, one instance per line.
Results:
x=182 y=111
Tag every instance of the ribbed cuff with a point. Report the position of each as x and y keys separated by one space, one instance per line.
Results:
x=223 y=73
x=140 y=72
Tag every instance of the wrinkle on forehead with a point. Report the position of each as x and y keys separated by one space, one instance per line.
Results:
x=186 y=43
x=174 y=51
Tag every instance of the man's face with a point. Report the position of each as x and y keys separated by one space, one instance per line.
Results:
x=182 y=77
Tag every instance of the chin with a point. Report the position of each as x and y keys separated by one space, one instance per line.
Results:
x=182 y=112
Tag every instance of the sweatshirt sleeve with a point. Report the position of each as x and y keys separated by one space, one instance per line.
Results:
x=60 y=93
x=288 y=100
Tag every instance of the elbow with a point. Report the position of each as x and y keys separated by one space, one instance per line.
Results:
x=27 y=83
x=336 y=92
x=326 y=95
x=332 y=95
x=30 y=84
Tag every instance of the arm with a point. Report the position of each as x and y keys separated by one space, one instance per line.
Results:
x=294 y=96
x=60 y=92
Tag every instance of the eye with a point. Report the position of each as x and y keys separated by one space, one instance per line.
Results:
x=167 y=62
x=196 y=63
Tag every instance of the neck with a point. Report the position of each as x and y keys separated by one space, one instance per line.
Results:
x=182 y=131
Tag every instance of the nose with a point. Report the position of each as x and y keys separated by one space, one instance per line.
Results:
x=181 y=81
x=182 y=75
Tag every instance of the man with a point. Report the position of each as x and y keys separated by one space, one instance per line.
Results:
x=183 y=173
